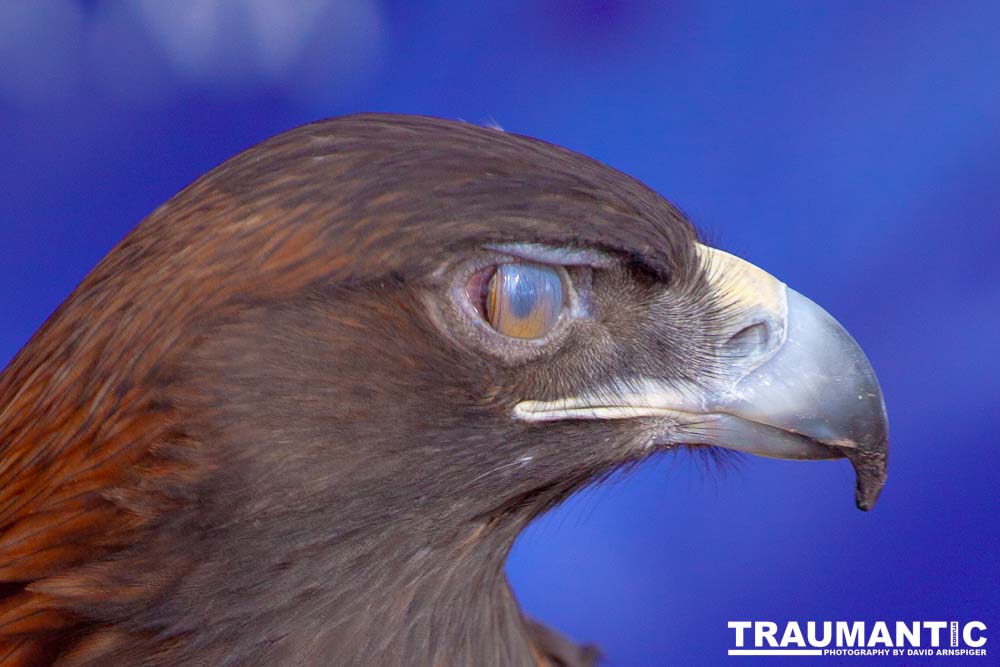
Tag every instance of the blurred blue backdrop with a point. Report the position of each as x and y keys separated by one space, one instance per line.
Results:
x=852 y=149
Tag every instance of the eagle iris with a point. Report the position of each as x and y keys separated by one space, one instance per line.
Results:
x=524 y=300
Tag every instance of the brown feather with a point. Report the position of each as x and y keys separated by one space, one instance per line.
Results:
x=129 y=424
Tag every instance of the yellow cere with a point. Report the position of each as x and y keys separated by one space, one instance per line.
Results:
x=524 y=300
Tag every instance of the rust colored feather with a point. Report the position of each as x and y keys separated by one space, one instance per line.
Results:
x=89 y=453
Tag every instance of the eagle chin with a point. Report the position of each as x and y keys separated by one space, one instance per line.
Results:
x=300 y=414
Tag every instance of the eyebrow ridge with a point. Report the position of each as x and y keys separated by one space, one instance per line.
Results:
x=551 y=254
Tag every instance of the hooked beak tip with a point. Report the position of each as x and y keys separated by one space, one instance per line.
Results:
x=870 y=468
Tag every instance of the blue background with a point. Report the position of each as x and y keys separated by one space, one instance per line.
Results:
x=852 y=149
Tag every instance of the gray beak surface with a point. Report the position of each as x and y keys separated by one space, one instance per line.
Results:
x=817 y=397
x=795 y=384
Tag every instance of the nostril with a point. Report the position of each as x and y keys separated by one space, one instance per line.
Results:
x=749 y=341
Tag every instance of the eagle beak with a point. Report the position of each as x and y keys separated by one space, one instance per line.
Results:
x=793 y=384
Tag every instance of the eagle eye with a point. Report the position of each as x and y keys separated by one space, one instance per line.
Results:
x=519 y=300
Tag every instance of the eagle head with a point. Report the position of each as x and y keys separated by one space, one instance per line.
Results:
x=300 y=414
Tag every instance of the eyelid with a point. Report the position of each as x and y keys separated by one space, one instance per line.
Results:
x=462 y=316
x=577 y=303
x=546 y=254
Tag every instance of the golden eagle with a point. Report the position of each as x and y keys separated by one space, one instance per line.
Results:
x=300 y=414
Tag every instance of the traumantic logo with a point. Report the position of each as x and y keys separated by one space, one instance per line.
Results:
x=847 y=638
